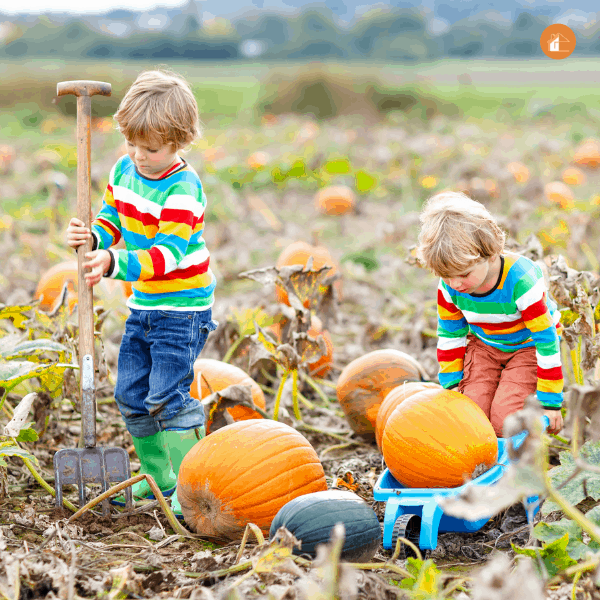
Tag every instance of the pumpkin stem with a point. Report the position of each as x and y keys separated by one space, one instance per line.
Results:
x=278 y=397
x=480 y=469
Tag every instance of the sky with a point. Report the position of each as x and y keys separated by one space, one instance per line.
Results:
x=77 y=6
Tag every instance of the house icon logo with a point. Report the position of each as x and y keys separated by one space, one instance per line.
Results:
x=558 y=41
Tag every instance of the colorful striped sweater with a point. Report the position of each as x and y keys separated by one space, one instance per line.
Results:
x=161 y=222
x=516 y=313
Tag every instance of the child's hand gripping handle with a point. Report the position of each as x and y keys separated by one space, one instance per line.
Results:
x=84 y=90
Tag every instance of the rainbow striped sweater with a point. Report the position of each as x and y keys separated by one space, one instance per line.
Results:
x=161 y=222
x=516 y=313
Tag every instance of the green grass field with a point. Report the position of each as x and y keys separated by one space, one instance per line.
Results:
x=230 y=92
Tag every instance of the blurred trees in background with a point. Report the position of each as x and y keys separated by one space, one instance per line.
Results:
x=382 y=34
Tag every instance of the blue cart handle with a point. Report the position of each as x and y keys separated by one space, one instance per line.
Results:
x=517 y=439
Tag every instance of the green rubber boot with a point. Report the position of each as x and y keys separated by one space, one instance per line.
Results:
x=153 y=453
x=180 y=443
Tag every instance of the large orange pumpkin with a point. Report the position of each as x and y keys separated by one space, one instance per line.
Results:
x=397 y=395
x=298 y=253
x=335 y=200
x=52 y=281
x=213 y=376
x=438 y=439
x=244 y=473
x=367 y=380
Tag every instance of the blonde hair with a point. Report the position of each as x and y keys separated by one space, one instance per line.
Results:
x=160 y=105
x=456 y=232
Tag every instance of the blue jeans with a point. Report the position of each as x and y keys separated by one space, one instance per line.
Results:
x=156 y=369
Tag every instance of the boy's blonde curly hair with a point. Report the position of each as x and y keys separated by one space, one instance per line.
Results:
x=456 y=233
x=159 y=106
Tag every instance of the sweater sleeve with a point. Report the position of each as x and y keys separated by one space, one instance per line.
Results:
x=106 y=227
x=452 y=333
x=181 y=216
x=530 y=298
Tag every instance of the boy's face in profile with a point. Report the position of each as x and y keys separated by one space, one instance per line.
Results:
x=151 y=157
x=478 y=279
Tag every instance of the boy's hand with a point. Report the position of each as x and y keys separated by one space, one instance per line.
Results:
x=77 y=233
x=98 y=264
x=556 y=420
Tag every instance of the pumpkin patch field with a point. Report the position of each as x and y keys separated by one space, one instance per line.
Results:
x=322 y=372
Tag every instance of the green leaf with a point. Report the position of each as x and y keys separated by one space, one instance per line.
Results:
x=340 y=166
x=9 y=449
x=594 y=514
x=568 y=317
x=365 y=182
x=367 y=258
x=549 y=532
x=51 y=374
x=34 y=347
x=16 y=313
x=424 y=581
x=28 y=435
x=298 y=169
x=553 y=555
x=278 y=176
x=574 y=491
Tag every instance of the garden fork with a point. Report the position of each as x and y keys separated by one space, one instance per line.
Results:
x=90 y=464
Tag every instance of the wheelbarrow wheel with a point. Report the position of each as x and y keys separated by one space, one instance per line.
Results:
x=406 y=526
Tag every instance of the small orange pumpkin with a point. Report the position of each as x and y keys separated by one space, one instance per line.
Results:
x=214 y=154
x=558 y=192
x=52 y=281
x=7 y=158
x=322 y=366
x=51 y=284
x=257 y=160
x=519 y=171
x=394 y=398
x=298 y=253
x=366 y=381
x=335 y=200
x=587 y=154
x=574 y=176
x=213 y=376
x=245 y=473
x=438 y=438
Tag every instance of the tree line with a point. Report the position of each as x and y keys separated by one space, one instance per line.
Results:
x=393 y=35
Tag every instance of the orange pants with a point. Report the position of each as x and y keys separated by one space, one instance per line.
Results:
x=498 y=381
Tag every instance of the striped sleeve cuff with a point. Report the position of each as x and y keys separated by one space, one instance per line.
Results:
x=448 y=380
x=110 y=272
x=550 y=400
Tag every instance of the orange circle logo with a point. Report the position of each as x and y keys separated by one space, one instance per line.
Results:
x=558 y=41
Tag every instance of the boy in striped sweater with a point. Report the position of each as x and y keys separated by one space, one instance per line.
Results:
x=498 y=329
x=155 y=203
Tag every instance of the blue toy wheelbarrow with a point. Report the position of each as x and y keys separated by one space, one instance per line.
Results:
x=414 y=513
